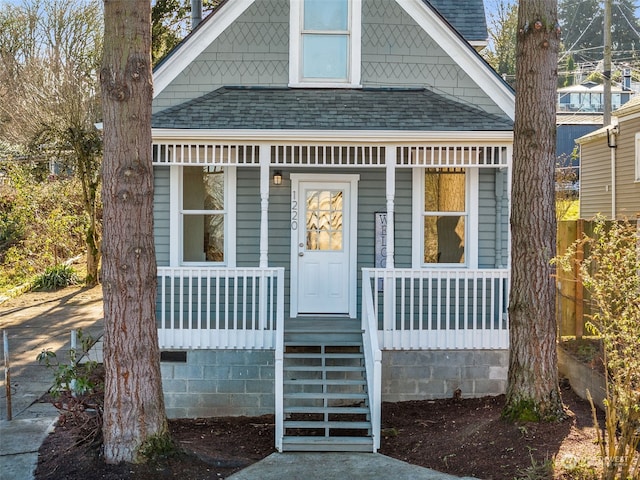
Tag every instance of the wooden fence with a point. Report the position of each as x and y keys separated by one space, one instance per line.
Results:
x=573 y=304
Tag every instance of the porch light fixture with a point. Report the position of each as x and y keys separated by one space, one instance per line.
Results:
x=277 y=177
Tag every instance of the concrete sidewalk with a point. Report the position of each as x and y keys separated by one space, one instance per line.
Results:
x=34 y=322
x=20 y=441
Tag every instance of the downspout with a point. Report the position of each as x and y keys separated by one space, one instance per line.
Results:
x=196 y=13
x=613 y=183
x=612 y=143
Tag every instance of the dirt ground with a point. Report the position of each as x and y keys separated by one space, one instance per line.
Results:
x=465 y=437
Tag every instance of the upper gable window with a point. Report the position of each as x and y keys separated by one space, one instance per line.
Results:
x=325 y=43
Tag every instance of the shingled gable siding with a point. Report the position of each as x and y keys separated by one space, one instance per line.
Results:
x=396 y=52
x=254 y=50
x=161 y=214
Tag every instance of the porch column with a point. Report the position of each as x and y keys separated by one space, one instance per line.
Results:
x=265 y=161
x=390 y=162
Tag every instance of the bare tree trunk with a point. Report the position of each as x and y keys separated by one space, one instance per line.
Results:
x=533 y=391
x=134 y=415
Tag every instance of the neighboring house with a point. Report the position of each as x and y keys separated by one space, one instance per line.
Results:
x=571 y=126
x=331 y=214
x=588 y=97
x=610 y=166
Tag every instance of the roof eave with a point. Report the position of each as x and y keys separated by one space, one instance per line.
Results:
x=335 y=136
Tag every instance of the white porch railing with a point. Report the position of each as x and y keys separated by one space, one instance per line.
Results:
x=227 y=308
x=373 y=363
x=439 y=309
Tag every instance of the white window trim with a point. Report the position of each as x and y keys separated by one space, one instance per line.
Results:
x=637 y=144
x=354 y=66
x=175 y=220
x=471 y=225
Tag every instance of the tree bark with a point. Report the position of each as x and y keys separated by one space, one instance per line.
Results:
x=533 y=392
x=134 y=415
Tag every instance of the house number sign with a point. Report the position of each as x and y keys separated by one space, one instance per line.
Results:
x=294 y=210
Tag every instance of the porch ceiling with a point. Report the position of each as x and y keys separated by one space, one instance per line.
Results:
x=231 y=108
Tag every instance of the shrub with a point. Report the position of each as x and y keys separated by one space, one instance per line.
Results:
x=58 y=276
x=78 y=388
x=611 y=273
x=42 y=223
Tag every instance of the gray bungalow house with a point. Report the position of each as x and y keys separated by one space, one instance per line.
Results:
x=332 y=187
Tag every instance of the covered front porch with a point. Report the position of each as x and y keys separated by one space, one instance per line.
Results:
x=398 y=305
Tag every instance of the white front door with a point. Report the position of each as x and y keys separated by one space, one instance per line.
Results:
x=323 y=244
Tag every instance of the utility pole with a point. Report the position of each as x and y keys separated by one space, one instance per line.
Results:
x=606 y=115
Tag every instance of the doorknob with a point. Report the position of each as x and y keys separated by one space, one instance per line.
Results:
x=301 y=254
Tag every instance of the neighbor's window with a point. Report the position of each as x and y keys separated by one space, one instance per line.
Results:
x=203 y=214
x=325 y=42
x=445 y=216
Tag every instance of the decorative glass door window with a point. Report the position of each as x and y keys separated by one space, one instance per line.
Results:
x=445 y=216
x=324 y=220
x=203 y=214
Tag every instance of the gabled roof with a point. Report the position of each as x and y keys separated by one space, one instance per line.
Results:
x=429 y=14
x=322 y=109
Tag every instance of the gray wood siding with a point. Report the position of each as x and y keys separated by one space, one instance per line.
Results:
x=248 y=217
x=371 y=199
x=628 y=190
x=161 y=214
x=595 y=179
x=396 y=52
x=493 y=219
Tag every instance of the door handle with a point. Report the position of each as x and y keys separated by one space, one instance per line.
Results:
x=301 y=254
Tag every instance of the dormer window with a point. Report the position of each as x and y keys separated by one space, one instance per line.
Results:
x=325 y=43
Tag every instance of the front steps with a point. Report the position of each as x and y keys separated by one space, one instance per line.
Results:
x=326 y=406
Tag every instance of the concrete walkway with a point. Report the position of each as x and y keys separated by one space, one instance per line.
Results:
x=34 y=322
x=336 y=466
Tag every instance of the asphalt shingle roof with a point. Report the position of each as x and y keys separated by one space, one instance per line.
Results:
x=326 y=109
x=466 y=16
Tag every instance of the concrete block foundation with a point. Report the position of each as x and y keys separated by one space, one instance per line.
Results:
x=214 y=383
x=433 y=374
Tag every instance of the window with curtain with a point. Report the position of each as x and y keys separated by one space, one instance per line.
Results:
x=203 y=214
x=445 y=216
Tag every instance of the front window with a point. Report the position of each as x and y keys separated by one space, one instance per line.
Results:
x=203 y=214
x=444 y=216
x=325 y=42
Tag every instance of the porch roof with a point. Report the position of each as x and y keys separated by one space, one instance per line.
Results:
x=419 y=109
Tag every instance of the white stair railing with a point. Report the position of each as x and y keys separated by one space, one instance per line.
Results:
x=372 y=358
